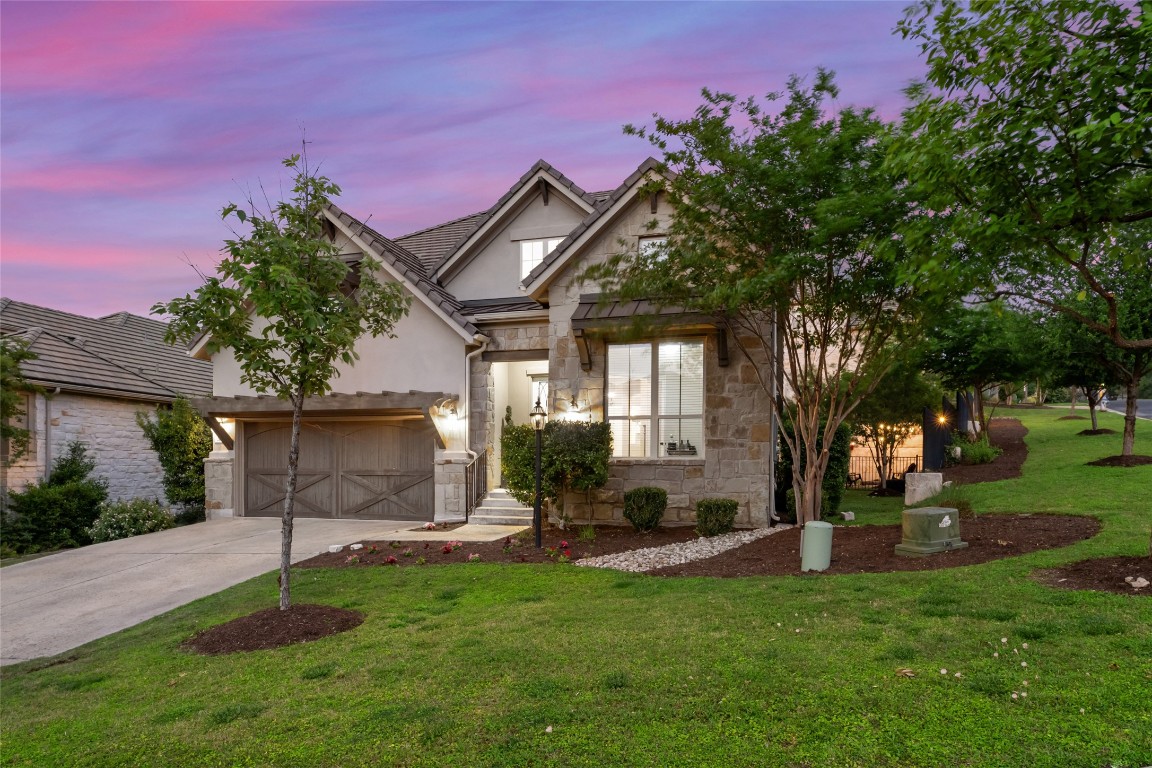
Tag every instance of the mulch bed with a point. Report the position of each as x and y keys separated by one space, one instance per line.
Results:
x=1104 y=574
x=1072 y=418
x=1006 y=434
x=1122 y=461
x=855 y=549
x=1103 y=431
x=273 y=628
x=870 y=548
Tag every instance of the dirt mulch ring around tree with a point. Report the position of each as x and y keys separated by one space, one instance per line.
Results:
x=1072 y=418
x=1122 y=461
x=1104 y=574
x=1007 y=434
x=273 y=628
x=1103 y=431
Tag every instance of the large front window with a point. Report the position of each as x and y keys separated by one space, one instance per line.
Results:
x=656 y=399
x=532 y=253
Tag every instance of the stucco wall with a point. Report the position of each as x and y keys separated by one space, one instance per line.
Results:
x=495 y=270
x=427 y=355
x=108 y=429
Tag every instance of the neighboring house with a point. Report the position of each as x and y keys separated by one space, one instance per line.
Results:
x=93 y=376
x=500 y=318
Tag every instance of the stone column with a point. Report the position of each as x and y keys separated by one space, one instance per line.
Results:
x=449 y=476
x=219 y=484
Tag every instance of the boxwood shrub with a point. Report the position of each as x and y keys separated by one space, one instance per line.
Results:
x=715 y=516
x=644 y=507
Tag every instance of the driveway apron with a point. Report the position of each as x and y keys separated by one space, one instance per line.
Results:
x=59 y=602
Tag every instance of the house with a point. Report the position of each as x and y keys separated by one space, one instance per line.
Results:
x=501 y=318
x=93 y=375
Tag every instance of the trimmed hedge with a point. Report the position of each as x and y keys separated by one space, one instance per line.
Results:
x=715 y=516
x=644 y=507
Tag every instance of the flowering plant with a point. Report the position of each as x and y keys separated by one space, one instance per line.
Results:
x=408 y=552
x=390 y=560
x=473 y=557
x=429 y=526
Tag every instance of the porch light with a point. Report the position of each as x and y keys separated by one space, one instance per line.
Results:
x=574 y=406
x=229 y=426
x=539 y=416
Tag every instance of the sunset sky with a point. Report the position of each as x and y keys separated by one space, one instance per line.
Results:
x=125 y=127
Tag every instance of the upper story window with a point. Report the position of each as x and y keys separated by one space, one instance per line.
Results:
x=653 y=247
x=532 y=252
x=655 y=399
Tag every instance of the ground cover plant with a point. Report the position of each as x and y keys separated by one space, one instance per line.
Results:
x=516 y=665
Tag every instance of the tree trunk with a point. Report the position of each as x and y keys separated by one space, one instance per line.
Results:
x=1131 y=392
x=980 y=410
x=289 y=502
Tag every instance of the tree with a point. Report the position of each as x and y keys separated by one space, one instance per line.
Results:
x=13 y=387
x=984 y=347
x=289 y=308
x=1031 y=137
x=1076 y=358
x=182 y=440
x=784 y=227
x=894 y=412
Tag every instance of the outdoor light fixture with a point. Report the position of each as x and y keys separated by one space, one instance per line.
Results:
x=574 y=406
x=539 y=416
x=941 y=419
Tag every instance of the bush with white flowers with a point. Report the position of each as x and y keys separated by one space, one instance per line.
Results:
x=121 y=519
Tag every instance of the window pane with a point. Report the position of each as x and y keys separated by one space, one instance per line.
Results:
x=683 y=437
x=681 y=378
x=629 y=380
x=630 y=437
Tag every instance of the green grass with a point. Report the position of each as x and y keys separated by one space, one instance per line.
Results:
x=471 y=664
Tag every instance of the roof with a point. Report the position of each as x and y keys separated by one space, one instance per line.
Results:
x=434 y=244
x=120 y=353
x=511 y=304
x=594 y=311
x=539 y=169
x=408 y=267
x=599 y=214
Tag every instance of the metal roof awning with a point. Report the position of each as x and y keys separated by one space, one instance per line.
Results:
x=595 y=315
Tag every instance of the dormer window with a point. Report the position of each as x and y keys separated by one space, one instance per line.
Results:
x=653 y=248
x=532 y=253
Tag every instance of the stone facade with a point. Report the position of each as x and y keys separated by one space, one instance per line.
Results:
x=219 y=483
x=451 y=484
x=107 y=427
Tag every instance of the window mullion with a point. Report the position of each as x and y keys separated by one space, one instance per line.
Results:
x=654 y=385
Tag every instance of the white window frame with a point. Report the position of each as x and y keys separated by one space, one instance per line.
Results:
x=654 y=450
x=533 y=252
x=650 y=243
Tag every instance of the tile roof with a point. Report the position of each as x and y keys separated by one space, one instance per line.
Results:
x=408 y=265
x=604 y=205
x=434 y=244
x=120 y=352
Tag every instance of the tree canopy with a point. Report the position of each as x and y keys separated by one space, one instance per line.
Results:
x=1030 y=135
x=785 y=226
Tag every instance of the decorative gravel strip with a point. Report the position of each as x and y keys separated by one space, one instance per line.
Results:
x=640 y=560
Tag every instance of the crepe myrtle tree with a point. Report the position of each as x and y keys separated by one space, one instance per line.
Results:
x=1030 y=136
x=783 y=228
x=289 y=308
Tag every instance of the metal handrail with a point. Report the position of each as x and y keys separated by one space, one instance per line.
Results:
x=475 y=483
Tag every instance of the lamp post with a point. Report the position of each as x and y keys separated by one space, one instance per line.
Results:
x=539 y=416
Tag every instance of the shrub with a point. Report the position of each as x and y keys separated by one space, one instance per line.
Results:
x=56 y=513
x=644 y=507
x=182 y=440
x=715 y=516
x=574 y=457
x=978 y=451
x=121 y=519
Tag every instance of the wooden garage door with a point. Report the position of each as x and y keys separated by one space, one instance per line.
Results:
x=354 y=470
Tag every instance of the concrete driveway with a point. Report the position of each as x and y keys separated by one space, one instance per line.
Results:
x=59 y=602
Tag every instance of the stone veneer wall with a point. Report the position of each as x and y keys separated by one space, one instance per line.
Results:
x=108 y=429
x=737 y=461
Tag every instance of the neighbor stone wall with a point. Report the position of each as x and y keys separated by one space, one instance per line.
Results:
x=108 y=429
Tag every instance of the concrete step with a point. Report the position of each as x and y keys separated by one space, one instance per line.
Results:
x=499 y=508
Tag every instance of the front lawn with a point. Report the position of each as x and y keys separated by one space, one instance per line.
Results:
x=476 y=664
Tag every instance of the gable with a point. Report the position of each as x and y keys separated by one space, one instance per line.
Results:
x=541 y=183
x=633 y=211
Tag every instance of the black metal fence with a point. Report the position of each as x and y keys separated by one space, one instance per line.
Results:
x=475 y=483
x=862 y=469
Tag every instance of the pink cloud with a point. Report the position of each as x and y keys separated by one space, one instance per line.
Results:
x=107 y=46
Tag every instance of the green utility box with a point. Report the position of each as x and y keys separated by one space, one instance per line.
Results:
x=816 y=546
x=929 y=530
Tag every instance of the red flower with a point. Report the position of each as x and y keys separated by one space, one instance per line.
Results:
x=564 y=545
x=446 y=549
x=391 y=560
x=567 y=553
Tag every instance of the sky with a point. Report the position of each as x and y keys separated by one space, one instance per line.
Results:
x=125 y=127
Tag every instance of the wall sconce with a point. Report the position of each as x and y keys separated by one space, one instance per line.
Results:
x=574 y=406
x=229 y=426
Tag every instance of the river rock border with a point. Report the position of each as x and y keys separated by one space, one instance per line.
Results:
x=641 y=560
